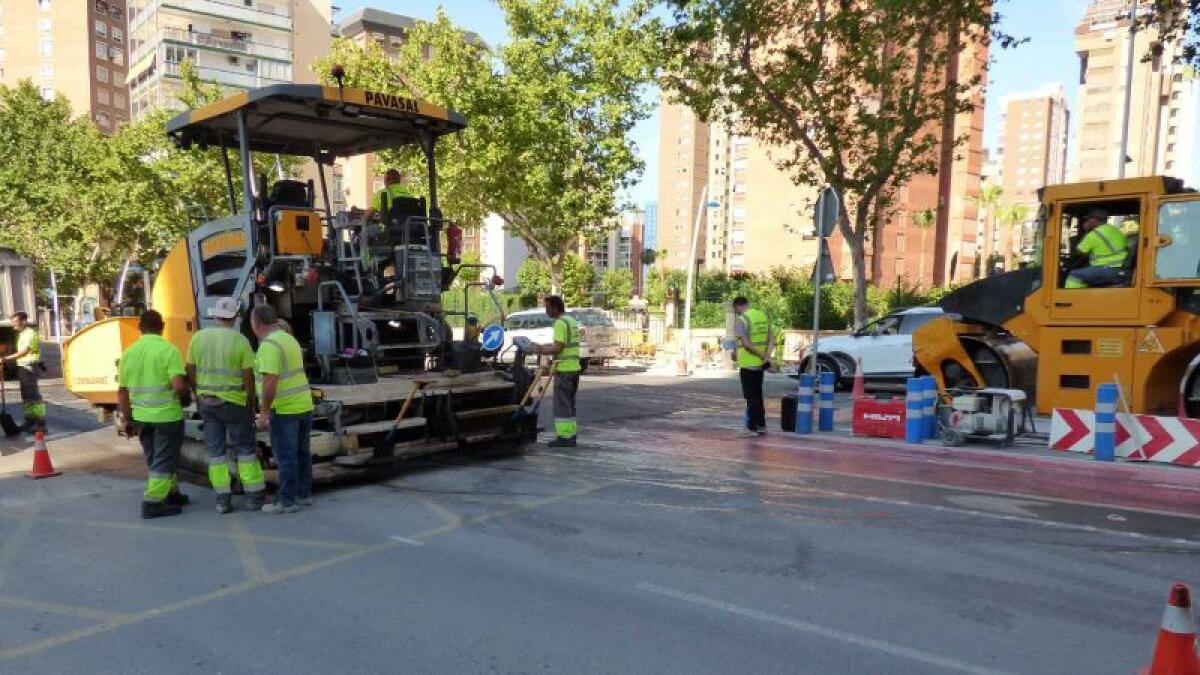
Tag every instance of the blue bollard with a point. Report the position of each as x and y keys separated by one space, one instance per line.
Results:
x=804 y=404
x=1106 y=422
x=914 y=411
x=825 y=416
x=929 y=389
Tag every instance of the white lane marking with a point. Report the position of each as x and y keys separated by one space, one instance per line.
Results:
x=1177 y=487
x=974 y=465
x=406 y=540
x=822 y=631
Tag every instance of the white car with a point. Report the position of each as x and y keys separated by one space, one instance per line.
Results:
x=884 y=346
x=597 y=336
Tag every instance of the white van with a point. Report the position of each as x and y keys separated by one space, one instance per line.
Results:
x=598 y=340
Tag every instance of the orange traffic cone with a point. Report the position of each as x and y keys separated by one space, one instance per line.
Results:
x=860 y=387
x=1175 y=651
x=42 y=467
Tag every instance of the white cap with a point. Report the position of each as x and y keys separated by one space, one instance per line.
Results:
x=224 y=308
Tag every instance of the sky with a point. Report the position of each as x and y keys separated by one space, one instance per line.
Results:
x=1048 y=57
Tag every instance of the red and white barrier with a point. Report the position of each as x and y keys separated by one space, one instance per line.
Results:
x=1140 y=438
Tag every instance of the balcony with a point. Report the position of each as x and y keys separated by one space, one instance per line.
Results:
x=229 y=78
x=211 y=41
x=277 y=18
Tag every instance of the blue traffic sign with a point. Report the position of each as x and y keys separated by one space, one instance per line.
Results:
x=493 y=337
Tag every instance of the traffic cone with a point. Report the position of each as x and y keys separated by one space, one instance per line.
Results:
x=1175 y=651
x=860 y=386
x=42 y=467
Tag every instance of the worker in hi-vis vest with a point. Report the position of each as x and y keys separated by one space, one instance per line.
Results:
x=285 y=408
x=565 y=350
x=754 y=336
x=220 y=367
x=1104 y=248
x=152 y=388
x=29 y=366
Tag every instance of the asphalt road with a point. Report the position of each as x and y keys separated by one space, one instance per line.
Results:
x=663 y=544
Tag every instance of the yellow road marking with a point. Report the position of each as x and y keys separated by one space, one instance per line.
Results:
x=120 y=621
x=168 y=529
x=449 y=518
x=252 y=562
x=86 y=613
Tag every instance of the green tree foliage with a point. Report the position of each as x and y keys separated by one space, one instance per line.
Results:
x=1174 y=20
x=660 y=280
x=616 y=286
x=855 y=93
x=549 y=113
x=578 y=278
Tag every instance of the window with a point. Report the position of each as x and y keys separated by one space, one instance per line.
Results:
x=102 y=119
x=119 y=100
x=43 y=5
x=101 y=74
x=116 y=56
x=3 y=54
x=739 y=214
x=1180 y=247
x=118 y=34
x=47 y=71
x=46 y=48
x=101 y=51
x=101 y=29
x=102 y=95
x=48 y=93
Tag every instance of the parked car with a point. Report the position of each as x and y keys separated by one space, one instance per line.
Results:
x=884 y=346
x=597 y=336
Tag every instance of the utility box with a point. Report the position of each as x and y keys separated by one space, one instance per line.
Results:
x=880 y=418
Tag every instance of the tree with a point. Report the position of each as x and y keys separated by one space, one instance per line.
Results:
x=923 y=220
x=988 y=200
x=858 y=94
x=549 y=113
x=617 y=287
x=577 y=279
x=1175 y=20
x=649 y=256
x=1011 y=217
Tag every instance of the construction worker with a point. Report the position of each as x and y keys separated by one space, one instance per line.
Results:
x=393 y=188
x=753 y=334
x=565 y=350
x=285 y=408
x=28 y=358
x=1103 y=246
x=220 y=368
x=152 y=389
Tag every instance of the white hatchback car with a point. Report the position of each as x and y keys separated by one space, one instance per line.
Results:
x=884 y=346
x=597 y=336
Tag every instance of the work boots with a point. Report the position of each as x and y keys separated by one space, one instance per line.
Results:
x=224 y=504
x=160 y=509
x=561 y=442
x=177 y=498
x=256 y=500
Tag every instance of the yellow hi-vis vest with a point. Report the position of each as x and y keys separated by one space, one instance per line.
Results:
x=279 y=354
x=1104 y=246
x=566 y=331
x=220 y=355
x=146 y=370
x=759 y=330
x=29 y=339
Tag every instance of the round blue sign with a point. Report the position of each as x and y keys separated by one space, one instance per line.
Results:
x=493 y=337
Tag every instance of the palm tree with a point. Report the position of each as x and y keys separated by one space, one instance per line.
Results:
x=1011 y=217
x=923 y=220
x=988 y=200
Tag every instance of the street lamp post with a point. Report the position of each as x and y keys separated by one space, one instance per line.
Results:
x=685 y=364
x=1122 y=157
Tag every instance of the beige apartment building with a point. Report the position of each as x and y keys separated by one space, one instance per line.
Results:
x=682 y=176
x=75 y=48
x=1033 y=143
x=240 y=44
x=1163 y=110
x=764 y=220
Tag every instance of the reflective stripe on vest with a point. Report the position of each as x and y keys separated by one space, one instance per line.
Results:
x=568 y=358
x=1115 y=257
x=758 y=328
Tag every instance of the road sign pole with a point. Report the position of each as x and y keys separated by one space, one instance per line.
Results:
x=824 y=219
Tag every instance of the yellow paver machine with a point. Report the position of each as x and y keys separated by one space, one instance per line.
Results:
x=362 y=298
x=1035 y=329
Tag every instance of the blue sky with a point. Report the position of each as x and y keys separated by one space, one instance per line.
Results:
x=1048 y=57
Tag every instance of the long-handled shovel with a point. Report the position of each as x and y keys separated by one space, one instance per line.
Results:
x=7 y=423
x=393 y=436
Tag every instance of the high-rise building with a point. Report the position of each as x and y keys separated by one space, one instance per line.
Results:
x=242 y=45
x=649 y=236
x=1034 y=137
x=763 y=219
x=1162 y=99
x=619 y=249
x=682 y=176
x=71 y=47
